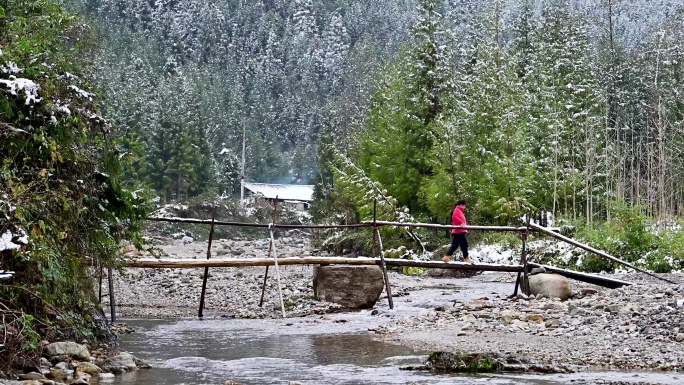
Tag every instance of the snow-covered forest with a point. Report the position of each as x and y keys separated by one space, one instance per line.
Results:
x=573 y=107
x=515 y=105
x=184 y=79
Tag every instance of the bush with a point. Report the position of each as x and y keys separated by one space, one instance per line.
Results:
x=635 y=238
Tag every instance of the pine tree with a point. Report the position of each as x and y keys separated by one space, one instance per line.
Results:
x=396 y=146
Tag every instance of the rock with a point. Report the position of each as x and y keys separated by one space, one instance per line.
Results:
x=679 y=337
x=107 y=377
x=519 y=324
x=33 y=376
x=79 y=381
x=538 y=318
x=57 y=375
x=550 y=285
x=294 y=383
x=45 y=363
x=87 y=367
x=82 y=375
x=354 y=287
x=587 y=291
x=68 y=348
x=64 y=365
x=124 y=360
x=507 y=316
x=552 y=324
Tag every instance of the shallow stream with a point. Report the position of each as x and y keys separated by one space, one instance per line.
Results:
x=330 y=349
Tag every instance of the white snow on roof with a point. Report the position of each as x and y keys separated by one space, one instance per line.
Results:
x=296 y=192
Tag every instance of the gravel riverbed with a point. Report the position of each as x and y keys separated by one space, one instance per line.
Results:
x=634 y=327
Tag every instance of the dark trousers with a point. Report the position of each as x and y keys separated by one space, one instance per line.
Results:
x=456 y=241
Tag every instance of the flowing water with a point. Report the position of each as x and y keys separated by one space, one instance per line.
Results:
x=333 y=349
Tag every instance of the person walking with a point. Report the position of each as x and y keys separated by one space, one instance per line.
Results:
x=458 y=236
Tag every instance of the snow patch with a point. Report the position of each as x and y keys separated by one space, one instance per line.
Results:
x=495 y=254
x=10 y=241
x=5 y=202
x=4 y=274
x=64 y=110
x=83 y=94
x=11 y=68
x=13 y=85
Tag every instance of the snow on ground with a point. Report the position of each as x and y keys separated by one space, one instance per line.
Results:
x=494 y=254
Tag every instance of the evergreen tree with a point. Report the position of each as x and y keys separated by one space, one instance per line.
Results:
x=395 y=148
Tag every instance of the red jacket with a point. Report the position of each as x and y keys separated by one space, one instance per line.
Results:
x=458 y=219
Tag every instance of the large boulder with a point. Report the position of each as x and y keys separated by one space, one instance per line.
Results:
x=354 y=287
x=68 y=348
x=550 y=285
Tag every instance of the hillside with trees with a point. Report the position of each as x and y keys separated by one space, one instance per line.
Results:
x=558 y=106
x=567 y=107
x=63 y=203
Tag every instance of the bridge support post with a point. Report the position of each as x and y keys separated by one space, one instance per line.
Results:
x=206 y=269
x=112 y=302
x=271 y=249
x=383 y=266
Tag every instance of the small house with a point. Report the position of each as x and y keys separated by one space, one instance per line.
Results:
x=296 y=195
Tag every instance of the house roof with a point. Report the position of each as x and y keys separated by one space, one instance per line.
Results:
x=296 y=192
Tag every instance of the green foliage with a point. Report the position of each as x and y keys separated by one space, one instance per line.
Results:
x=61 y=186
x=396 y=145
x=634 y=237
x=465 y=362
x=409 y=270
x=363 y=198
x=626 y=237
x=27 y=331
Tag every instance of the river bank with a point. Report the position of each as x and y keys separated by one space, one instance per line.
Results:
x=634 y=328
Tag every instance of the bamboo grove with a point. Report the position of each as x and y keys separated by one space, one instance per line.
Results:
x=543 y=105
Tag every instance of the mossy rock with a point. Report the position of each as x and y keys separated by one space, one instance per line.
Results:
x=465 y=362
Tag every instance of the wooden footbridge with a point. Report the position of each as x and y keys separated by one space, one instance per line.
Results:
x=523 y=268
